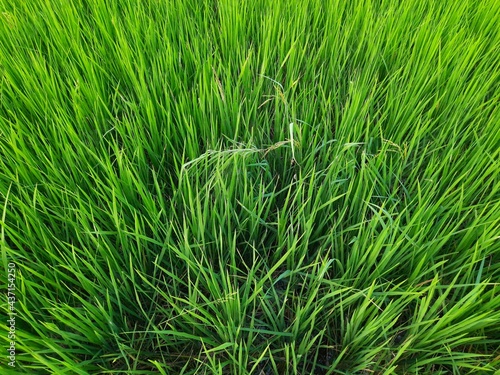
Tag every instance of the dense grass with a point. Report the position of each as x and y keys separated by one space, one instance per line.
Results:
x=251 y=187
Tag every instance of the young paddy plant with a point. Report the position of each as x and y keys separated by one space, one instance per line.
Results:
x=234 y=187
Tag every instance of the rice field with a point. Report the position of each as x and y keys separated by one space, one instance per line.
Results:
x=250 y=187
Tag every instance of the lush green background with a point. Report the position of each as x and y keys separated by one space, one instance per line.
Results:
x=264 y=187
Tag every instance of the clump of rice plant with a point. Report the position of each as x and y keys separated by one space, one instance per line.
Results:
x=250 y=187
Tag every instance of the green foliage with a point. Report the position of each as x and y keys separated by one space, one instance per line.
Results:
x=251 y=187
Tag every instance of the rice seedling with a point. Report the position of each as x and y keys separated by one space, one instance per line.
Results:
x=250 y=187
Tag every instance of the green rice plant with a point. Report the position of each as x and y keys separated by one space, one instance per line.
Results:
x=250 y=187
